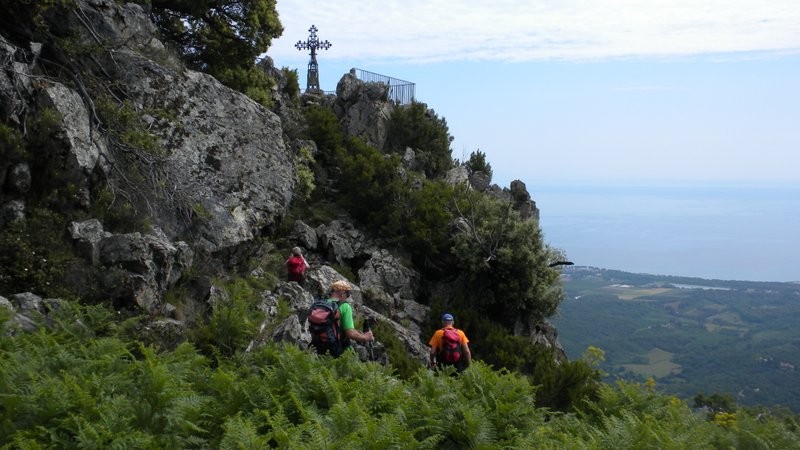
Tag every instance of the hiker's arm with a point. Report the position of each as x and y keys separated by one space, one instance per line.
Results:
x=433 y=356
x=358 y=336
x=467 y=354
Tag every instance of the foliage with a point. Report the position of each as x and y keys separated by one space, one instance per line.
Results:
x=34 y=255
x=222 y=38
x=117 y=214
x=125 y=125
x=563 y=385
x=304 y=161
x=716 y=402
x=234 y=320
x=419 y=128
x=504 y=260
x=365 y=182
x=477 y=163
x=324 y=129
x=292 y=88
x=371 y=186
x=78 y=384
x=12 y=144
x=427 y=225
x=401 y=361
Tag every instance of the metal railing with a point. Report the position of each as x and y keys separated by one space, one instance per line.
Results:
x=400 y=91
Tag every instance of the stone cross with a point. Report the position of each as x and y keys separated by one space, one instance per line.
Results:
x=313 y=43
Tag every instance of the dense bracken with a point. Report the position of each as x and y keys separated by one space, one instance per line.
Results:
x=83 y=382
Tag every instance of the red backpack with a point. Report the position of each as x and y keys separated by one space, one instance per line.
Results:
x=323 y=323
x=450 y=353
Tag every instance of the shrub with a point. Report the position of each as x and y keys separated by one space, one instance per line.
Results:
x=396 y=351
x=504 y=261
x=370 y=186
x=477 y=163
x=304 y=161
x=222 y=38
x=12 y=145
x=292 y=88
x=324 y=129
x=427 y=226
x=421 y=129
x=34 y=255
x=233 y=323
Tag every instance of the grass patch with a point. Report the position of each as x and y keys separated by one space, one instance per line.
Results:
x=625 y=292
x=659 y=365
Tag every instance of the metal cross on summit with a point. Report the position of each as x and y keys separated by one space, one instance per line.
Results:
x=313 y=43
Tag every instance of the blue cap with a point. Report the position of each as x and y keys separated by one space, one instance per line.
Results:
x=447 y=317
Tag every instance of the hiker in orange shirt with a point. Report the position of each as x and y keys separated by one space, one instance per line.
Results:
x=450 y=346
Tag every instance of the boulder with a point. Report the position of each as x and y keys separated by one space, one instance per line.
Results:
x=340 y=241
x=305 y=235
x=15 y=79
x=523 y=202
x=479 y=181
x=391 y=288
x=86 y=236
x=140 y=268
x=77 y=146
x=364 y=109
x=12 y=212
x=18 y=179
x=457 y=175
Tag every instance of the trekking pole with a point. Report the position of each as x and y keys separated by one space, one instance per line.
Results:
x=369 y=343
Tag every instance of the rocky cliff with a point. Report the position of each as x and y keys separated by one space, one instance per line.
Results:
x=199 y=179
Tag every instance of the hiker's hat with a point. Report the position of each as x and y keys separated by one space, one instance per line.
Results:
x=447 y=317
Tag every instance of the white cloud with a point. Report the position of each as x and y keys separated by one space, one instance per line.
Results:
x=523 y=30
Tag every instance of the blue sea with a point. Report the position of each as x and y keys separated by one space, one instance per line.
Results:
x=747 y=233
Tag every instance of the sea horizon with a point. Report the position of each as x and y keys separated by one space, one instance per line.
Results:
x=745 y=231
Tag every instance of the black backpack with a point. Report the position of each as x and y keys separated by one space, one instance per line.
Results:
x=450 y=353
x=326 y=332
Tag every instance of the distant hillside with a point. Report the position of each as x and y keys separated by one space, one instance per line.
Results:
x=691 y=335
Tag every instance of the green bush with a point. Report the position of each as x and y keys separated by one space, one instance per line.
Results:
x=292 y=88
x=117 y=214
x=304 y=162
x=477 y=163
x=401 y=361
x=370 y=187
x=360 y=178
x=35 y=255
x=427 y=226
x=324 y=129
x=12 y=145
x=421 y=129
x=504 y=261
x=233 y=323
x=222 y=38
x=247 y=79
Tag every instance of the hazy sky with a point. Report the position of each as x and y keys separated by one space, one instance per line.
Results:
x=595 y=91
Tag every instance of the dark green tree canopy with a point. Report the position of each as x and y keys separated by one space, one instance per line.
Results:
x=211 y=33
x=223 y=38
x=419 y=127
x=477 y=163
